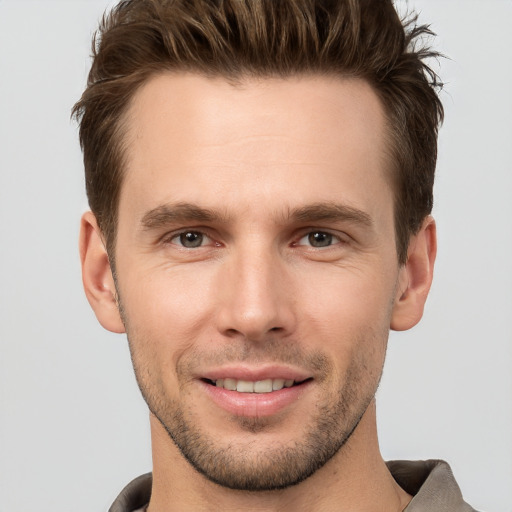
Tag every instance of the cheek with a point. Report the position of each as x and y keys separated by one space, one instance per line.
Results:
x=347 y=312
x=164 y=291
x=165 y=312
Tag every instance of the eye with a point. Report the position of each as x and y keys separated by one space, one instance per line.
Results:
x=190 y=239
x=319 y=239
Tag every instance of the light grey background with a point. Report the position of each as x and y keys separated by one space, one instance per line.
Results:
x=73 y=428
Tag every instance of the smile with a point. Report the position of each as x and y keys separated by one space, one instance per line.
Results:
x=256 y=395
x=259 y=386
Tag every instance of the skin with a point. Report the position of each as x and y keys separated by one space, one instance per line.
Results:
x=258 y=174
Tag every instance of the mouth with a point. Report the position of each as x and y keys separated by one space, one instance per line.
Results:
x=254 y=391
x=258 y=386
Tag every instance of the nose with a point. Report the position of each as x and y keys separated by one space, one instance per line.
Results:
x=256 y=296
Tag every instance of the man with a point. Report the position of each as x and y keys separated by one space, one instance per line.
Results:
x=260 y=178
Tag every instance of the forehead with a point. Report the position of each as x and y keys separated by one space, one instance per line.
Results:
x=188 y=135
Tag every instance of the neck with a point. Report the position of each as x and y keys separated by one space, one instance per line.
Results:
x=356 y=479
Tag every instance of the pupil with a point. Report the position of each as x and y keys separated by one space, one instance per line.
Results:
x=191 y=239
x=320 y=239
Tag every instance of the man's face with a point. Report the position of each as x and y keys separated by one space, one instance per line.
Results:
x=256 y=250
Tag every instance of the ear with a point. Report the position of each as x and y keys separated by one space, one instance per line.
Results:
x=97 y=275
x=415 y=278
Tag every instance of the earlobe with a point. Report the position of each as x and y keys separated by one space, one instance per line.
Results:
x=415 y=278
x=97 y=275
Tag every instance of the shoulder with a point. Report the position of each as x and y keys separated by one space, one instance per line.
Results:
x=135 y=496
x=432 y=485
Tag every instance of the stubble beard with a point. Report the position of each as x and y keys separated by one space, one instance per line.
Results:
x=246 y=466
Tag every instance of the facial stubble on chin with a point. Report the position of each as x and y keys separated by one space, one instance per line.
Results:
x=245 y=466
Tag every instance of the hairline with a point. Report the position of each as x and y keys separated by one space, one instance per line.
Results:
x=238 y=79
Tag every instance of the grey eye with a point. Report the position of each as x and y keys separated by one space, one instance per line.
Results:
x=320 y=239
x=191 y=239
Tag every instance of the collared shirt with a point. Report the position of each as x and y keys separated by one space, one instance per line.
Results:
x=430 y=482
x=432 y=485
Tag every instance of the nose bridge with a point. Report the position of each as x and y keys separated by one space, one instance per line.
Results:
x=253 y=302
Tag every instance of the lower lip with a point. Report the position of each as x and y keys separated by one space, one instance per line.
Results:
x=255 y=405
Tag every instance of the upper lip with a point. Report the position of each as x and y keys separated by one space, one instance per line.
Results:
x=256 y=373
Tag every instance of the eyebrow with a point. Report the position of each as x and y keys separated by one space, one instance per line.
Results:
x=331 y=212
x=187 y=212
x=178 y=212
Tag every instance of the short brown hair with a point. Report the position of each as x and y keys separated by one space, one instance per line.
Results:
x=265 y=38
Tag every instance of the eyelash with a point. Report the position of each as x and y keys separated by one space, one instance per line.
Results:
x=335 y=239
x=169 y=239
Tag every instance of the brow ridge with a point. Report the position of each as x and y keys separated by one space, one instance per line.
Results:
x=187 y=212
x=331 y=212
x=178 y=212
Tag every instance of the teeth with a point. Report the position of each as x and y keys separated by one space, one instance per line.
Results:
x=263 y=386
x=260 y=386
x=245 y=386
x=230 y=384
x=278 y=384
